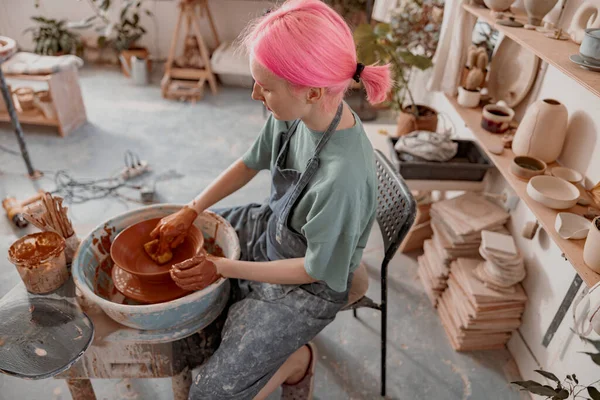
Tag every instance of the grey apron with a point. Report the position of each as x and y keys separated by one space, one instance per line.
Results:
x=266 y=323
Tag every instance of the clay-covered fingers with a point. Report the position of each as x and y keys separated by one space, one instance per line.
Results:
x=179 y=239
x=190 y=262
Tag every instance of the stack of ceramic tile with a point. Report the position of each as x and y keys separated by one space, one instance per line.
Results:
x=433 y=271
x=503 y=266
x=474 y=316
x=457 y=224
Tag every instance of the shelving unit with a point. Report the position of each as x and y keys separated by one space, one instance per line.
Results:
x=66 y=99
x=554 y=52
x=572 y=249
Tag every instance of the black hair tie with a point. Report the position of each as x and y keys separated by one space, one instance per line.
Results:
x=359 y=69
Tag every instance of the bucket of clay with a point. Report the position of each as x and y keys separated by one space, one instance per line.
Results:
x=92 y=267
x=40 y=261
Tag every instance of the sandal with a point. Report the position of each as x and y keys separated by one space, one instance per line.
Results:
x=303 y=390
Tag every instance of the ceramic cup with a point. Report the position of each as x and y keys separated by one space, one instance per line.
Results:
x=591 y=250
x=590 y=47
x=496 y=118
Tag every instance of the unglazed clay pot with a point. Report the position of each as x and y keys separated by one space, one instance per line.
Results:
x=541 y=133
x=537 y=9
x=498 y=5
x=591 y=250
x=408 y=122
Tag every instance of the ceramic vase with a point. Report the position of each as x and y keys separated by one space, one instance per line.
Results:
x=537 y=9
x=591 y=250
x=541 y=133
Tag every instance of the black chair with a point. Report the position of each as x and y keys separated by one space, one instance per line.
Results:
x=396 y=211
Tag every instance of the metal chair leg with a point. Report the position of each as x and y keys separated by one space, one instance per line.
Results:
x=383 y=332
x=354 y=313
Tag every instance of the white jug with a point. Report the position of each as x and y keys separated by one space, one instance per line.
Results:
x=138 y=71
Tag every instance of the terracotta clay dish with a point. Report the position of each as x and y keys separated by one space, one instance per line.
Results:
x=147 y=292
x=127 y=251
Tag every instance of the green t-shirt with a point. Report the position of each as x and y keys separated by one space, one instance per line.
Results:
x=337 y=209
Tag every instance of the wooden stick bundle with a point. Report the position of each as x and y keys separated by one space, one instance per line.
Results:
x=50 y=215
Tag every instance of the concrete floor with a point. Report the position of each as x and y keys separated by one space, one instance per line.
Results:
x=196 y=142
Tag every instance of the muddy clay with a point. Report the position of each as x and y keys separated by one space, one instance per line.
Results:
x=104 y=280
x=128 y=252
x=31 y=250
x=40 y=261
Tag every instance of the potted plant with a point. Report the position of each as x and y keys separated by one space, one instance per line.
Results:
x=569 y=388
x=353 y=11
x=122 y=35
x=407 y=42
x=469 y=94
x=53 y=38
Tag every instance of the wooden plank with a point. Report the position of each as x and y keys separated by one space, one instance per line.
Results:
x=30 y=117
x=573 y=249
x=188 y=73
x=67 y=99
x=554 y=52
x=44 y=77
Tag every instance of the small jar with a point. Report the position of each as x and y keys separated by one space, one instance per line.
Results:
x=40 y=261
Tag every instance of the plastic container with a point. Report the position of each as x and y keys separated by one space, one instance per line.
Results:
x=469 y=164
x=40 y=261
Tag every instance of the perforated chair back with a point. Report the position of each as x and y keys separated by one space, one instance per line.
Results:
x=396 y=207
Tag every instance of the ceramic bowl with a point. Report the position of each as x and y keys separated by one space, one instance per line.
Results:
x=92 y=267
x=590 y=47
x=498 y=5
x=127 y=251
x=525 y=167
x=553 y=192
x=496 y=118
x=568 y=174
x=571 y=226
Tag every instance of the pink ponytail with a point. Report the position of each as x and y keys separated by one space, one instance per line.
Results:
x=308 y=44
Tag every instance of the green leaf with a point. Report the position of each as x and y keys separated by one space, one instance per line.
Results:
x=575 y=378
x=382 y=29
x=101 y=41
x=595 y=343
x=561 y=395
x=536 y=388
x=420 y=62
x=595 y=357
x=364 y=34
x=548 y=375
x=149 y=13
x=593 y=392
x=569 y=378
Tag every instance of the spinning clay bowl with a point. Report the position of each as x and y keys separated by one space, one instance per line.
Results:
x=92 y=267
x=127 y=251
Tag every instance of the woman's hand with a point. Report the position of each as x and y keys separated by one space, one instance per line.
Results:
x=172 y=230
x=197 y=272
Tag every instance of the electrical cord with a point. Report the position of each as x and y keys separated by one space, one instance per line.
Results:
x=10 y=151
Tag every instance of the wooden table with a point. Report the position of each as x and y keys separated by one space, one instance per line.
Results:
x=121 y=352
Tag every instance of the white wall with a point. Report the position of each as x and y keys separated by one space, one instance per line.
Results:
x=230 y=17
x=549 y=275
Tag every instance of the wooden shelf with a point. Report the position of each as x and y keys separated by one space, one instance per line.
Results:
x=554 y=52
x=573 y=249
x=30 y=117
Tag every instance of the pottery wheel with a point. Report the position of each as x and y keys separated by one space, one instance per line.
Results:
x=41 y=337
x=143 y=291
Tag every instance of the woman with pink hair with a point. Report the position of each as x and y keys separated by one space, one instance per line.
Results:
x=299 y=249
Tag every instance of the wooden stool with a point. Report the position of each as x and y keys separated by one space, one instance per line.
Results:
x=188 y=83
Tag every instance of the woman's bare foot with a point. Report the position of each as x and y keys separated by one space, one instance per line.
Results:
x=301 y=359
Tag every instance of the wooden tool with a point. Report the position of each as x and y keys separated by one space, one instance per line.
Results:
x=14 y=208
x=50 y=215
x=182 y=82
